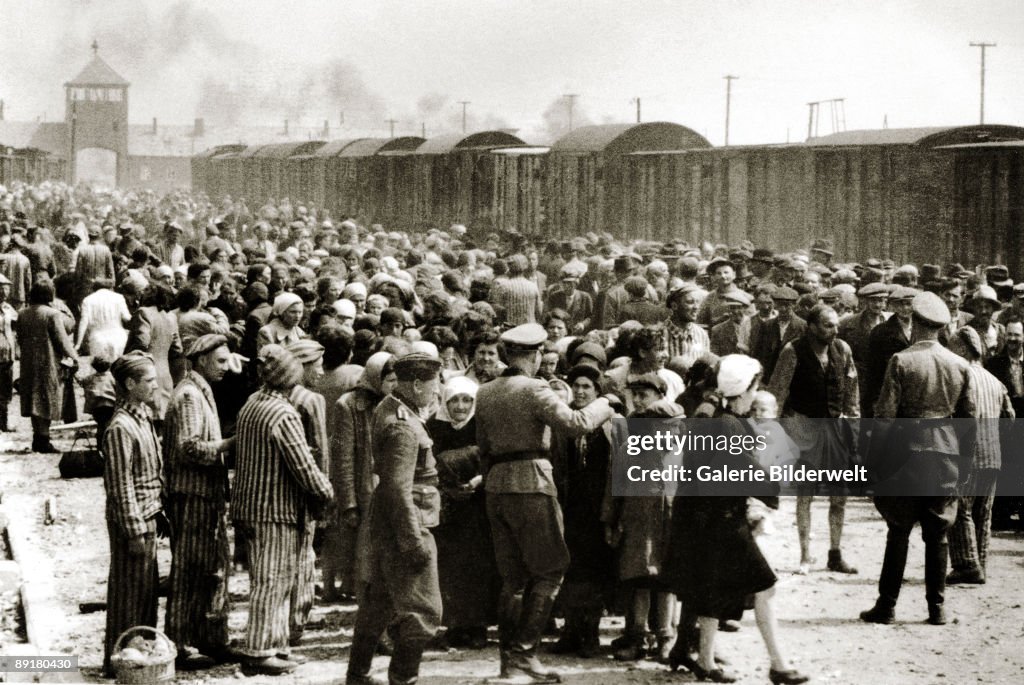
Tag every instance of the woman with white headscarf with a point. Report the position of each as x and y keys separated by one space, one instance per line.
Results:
x=714 y=564
x=465 y=558
x=283 y=327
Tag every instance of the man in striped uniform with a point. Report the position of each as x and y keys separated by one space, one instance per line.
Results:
x=312 y=408
x=968 y=539
x=132 y=479
x=277 y=483
x=197 y=493
x=403 y=591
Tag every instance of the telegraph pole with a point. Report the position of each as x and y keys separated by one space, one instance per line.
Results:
x=728 y=103
x=983 y=47
x=392 y=123
x=464 y=104
x=638 y=110
x=572 y=100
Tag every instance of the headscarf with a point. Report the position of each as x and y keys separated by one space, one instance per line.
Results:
x=457 y=385
x=282 y=302
x=281 y=370
x=372 y=377
x=203 y=344
x=735 y=374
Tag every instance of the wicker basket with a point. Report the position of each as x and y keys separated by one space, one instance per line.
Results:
x=134 y=672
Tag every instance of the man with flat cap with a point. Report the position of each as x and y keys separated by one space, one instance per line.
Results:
x=277 y=481
x=312 y=408
x=715 y=307
x=403 y=591
x=725 y=336
x=856 y=331
x=515 y=414
x=769 y=336
x=886 y=339
x=683 y=337
x=197 y=499
x=567 y=295
x=921 y=464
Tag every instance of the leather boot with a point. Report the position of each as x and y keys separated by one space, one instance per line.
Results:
x=894 y=563
x=510 y=611
x=837 y=564
x=590 y=633
x=405 y=664
x=936 y=558
x=360 y=660
x=522 y=654
x=3 y=420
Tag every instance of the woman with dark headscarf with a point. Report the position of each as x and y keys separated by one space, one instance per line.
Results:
x=581 y=472
x=465 y=557
x=345 y=556
x=714 y=564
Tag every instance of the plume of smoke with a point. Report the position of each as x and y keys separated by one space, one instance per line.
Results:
x=556 y=118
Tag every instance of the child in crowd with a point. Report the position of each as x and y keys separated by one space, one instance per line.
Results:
x=99 y=394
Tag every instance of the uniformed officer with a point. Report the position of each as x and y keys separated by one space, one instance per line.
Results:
x=515 y=413
x=924 y=381
x=403 y=591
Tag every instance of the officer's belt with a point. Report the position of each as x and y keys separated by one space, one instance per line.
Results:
x=495 y=459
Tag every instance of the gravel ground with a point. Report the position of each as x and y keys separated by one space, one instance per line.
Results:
x=818 y=613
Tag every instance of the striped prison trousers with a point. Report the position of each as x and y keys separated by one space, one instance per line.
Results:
x=273 y=569
x=198 y=606
x=305 y=581
x=969 y=536
x=132 y=586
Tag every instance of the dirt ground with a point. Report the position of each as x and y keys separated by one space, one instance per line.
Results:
x=820 y=631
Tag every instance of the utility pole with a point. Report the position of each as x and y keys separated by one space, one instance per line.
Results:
x=638 y=110
x=464 y=104
x=572 y=100
x=341 y=119
x=728 y=103
x=392 y=122
x=423 y=129
x=983 y=47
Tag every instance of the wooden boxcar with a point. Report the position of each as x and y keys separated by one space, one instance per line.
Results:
x=206 y=176
x=889 y=194
x=362 y=182
x=518 y=201
x=29 y=165
x=453 y=179
x=586 y=187
x=273 y=166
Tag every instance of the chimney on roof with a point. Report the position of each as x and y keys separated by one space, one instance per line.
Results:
x=200 y=128
x=154 y=126
x=286 y=127
x=327 y=129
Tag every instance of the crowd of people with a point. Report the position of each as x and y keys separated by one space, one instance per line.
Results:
x=422 y=421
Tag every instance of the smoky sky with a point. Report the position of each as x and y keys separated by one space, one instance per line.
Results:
x=259 y=62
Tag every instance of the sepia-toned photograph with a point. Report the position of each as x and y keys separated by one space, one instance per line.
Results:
x=598 y=342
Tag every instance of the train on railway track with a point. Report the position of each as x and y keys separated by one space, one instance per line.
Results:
x=923 y=194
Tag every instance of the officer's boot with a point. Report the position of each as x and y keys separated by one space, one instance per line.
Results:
x=522 y=655
x=3 y=420
x=894 y=563
x=405 y=663
x=936 y=555
x=510 y=611
x=360 y=660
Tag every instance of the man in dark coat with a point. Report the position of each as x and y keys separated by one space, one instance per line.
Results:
x=1008 y=367
x=768 y=337
x=887 y=339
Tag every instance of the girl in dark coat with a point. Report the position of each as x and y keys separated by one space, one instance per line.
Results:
x=714 y=563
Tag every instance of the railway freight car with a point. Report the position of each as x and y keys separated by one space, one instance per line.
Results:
x=453 y=180
x=586 y=187
x=362 y=182
x=204 y=177
x=272 y=166
x=890 y=193
x=29 y=165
